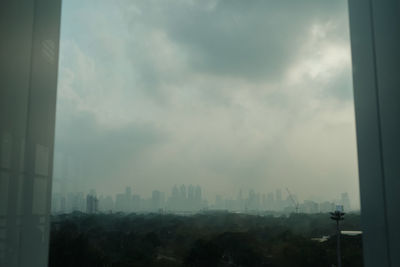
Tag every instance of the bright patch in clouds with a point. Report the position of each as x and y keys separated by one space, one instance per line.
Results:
x=225 y=94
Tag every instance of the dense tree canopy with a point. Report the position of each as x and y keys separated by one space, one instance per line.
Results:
x=213 y=239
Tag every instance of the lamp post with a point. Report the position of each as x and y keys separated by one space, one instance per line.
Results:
x=338 y=216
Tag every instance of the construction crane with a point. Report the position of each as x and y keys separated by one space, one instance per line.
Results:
x=295 y=203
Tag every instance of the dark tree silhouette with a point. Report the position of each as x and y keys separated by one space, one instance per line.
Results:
x=215 y=239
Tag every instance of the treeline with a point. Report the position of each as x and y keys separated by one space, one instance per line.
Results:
x=214 y=239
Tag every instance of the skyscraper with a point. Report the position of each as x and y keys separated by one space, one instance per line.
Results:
x=156 y=200
x=278 y=199
x=345 y=201
x=198 y=197
x=91 y=204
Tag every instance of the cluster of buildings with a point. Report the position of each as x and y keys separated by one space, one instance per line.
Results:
x=184 y=198
x=274 y=201
x=190 y=199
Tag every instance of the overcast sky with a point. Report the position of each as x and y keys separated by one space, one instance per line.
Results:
x=225 y=94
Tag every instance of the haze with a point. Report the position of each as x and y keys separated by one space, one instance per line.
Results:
x=227 y=95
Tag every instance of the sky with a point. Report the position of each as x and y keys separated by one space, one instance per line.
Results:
x=225 y=94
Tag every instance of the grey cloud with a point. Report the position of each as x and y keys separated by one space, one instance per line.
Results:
x=216 y=119
x=248 y=39
x=103 y=151
x=341 y=87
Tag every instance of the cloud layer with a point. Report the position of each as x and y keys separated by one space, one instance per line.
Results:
x=225 y=94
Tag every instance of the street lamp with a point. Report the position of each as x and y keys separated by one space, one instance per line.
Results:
x=338 y=216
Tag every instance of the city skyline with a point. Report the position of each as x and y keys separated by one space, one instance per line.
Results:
x=189 y=198
x=71 y=182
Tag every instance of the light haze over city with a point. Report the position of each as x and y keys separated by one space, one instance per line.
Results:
x=228 y=95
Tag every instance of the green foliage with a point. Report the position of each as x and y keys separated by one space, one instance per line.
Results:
x=215 y=239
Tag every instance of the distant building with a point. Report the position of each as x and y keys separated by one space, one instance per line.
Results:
x=91 y=204
x=136 y=203
x=106 y=204
x=309 y=207
x=75 y=202
x=119 y=202
x=124 y=201
x=174 y=200
x=197 y=198
x=326 y=206
x=270 y=203
x=278 y=200
x=345 y=201
x=156 y=199
x=219 y=203
x=58 y=203
x=240 y=201
x=251 y=203
x=190 y=194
